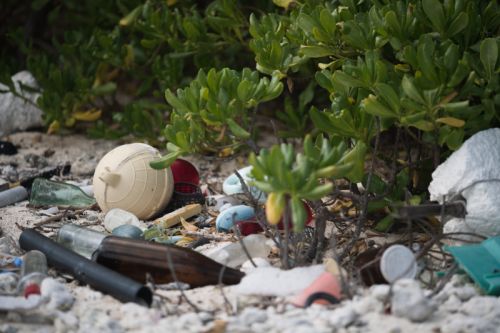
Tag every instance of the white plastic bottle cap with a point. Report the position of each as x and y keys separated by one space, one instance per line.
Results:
x=398 y=262
x=123 y=179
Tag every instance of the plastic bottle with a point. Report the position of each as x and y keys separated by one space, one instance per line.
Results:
x=33 y=271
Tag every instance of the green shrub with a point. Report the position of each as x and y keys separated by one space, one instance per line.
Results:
x=426 y=70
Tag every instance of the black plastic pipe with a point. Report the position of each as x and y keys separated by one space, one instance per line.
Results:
x=85 y=270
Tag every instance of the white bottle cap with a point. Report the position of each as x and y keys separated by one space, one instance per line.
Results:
x=398 y=262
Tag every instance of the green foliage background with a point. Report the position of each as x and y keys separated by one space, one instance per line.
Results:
x=348 y=70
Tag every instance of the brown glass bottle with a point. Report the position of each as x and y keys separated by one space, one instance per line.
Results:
x=136 y=258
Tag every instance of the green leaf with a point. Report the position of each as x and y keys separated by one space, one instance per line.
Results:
x=263 y=186
x=455 y=138
x=335 y=171
x=374 y=107
x=489 y=54
x=456 y=106
x=237 y=129
x=451 y=121
x=423 y=125
x=346 y=80
x=244 y=90
x=458 y=24
x=131 y=17
x=283 y=3
x=356 y=157
x=426 y=60
x=299 y=214
x=318 y=192
x=434 y=11
x=165 y=161
x=384 y=224
x=175 y=102
x=411 y=91
x=315 y=51
x=389 y=95
x=105 y=89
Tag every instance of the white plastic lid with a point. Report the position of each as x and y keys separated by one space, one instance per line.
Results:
x=398 y=262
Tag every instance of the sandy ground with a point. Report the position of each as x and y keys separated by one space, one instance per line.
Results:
x=213 y=308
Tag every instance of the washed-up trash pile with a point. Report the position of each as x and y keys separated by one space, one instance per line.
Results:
x=164 y=227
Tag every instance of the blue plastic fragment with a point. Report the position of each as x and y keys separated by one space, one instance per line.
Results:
x=481 y=262
x=18 y=262
x=127 y=231
x=231 y=215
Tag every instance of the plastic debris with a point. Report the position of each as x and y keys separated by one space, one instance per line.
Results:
x=470 y=172
x=118 y=217
x=127 y=231
x=233 y=255
x=97 y=276
x=481 y=262
x=12 y=196
x=14 y=303
x=46 y=192
x=17 y=113
x=185 y=194
x=174 y=217
x=33 y=272
x=249 y=227
x=398 y=262
x=272 y=281
x=386 y=265
x=232 y=184
x=123 y=179
x=325 y=284
x=228 y=217
x=217 y=201
x=184 y=172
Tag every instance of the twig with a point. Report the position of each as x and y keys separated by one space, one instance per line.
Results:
x=227 y=304
x=286 y=238
x=364 y=202
x=202 y=235
x=445 y=279
x=243 y=246
x=50 y=219
x=256 y=206
x=174 y=275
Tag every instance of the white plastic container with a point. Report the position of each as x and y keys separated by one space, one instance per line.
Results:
x=123 y=179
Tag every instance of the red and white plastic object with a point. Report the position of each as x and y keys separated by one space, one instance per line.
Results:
x=326 y=283
x=31 y=289
x=184 y=172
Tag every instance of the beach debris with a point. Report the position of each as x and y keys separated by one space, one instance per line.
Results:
x=123 y=179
